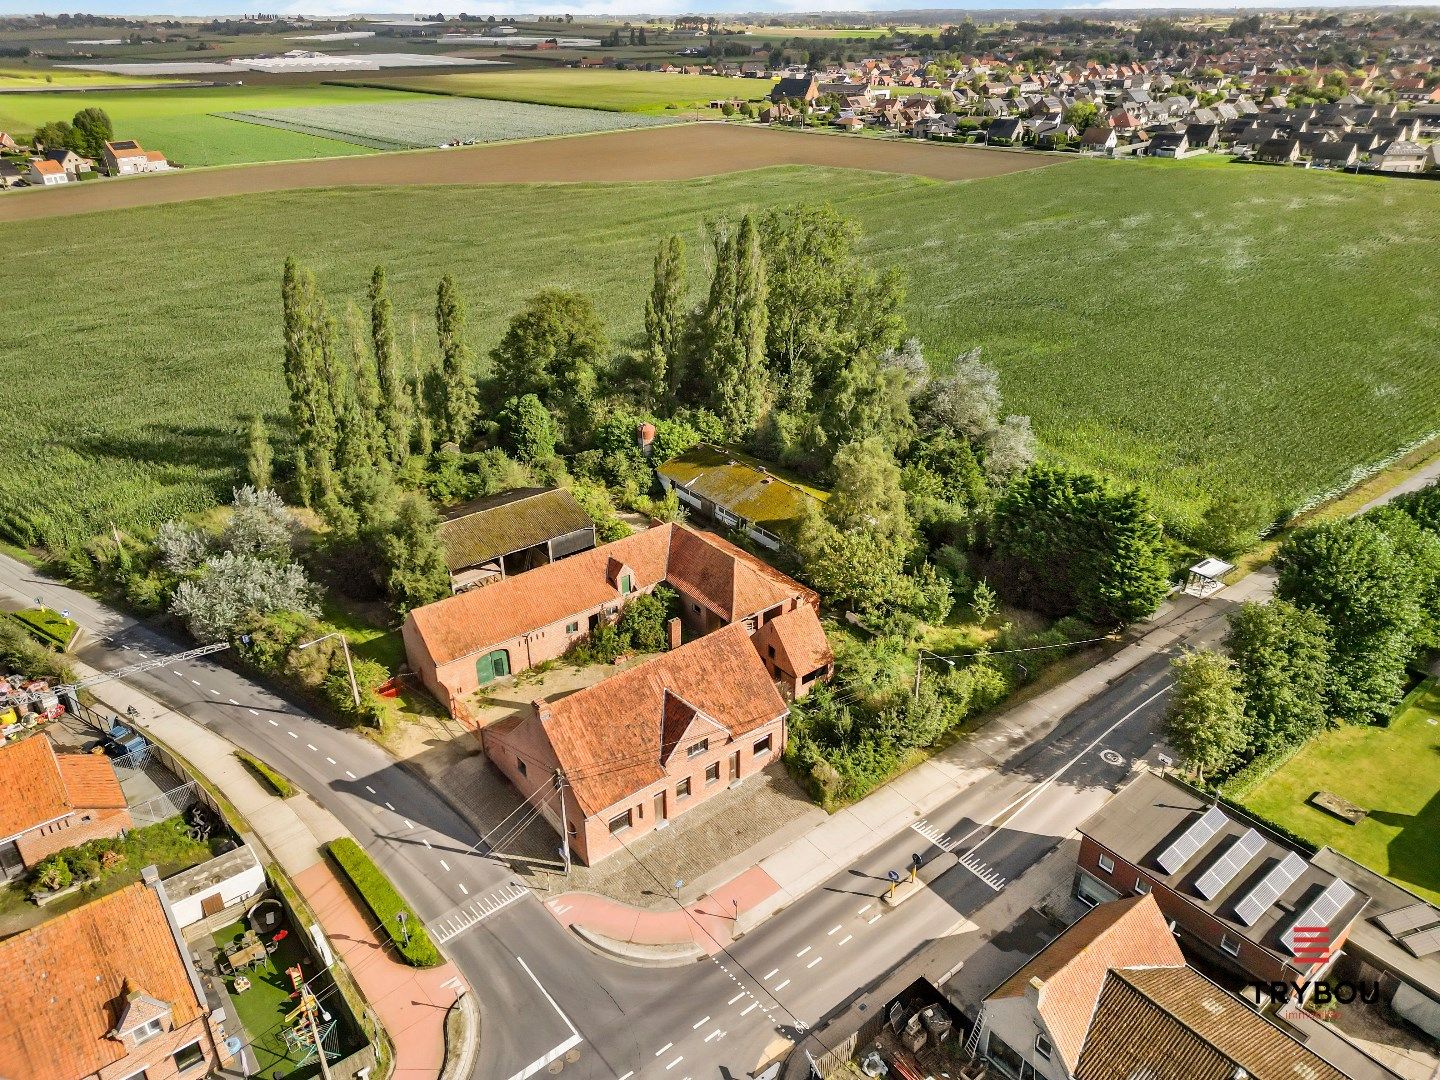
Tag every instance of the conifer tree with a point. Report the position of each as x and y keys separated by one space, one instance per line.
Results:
x=259 y=459
x=458 y=401
x=396 y=407
x=665 y=317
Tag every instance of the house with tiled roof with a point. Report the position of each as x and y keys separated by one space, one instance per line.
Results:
x=106 y=992
x=1113 y=999
x=507 y=534
x=45 y=173
x=50 y=801
x=464 y=642
x=125 y=157
x=608 y=764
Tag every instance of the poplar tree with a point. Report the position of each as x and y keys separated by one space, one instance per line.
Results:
x=665 y=317
x=737 y=319
x=458 y=401
x=421 y=385
x=308 y=373
x=396 y=408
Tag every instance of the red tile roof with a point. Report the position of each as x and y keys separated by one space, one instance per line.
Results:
x=799 y=640
x=90 y=782
x=65 y=985
x=1072 y=969
x=32 y=790
x=610 y=738
x=732 y=581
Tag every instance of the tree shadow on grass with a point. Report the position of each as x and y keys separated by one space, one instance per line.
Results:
x=1414 y=854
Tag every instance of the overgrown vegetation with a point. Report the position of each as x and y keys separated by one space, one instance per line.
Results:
x=48 y=627
x=407 y=932
x=166 y=844
x=266 y=775
x=1357 y=606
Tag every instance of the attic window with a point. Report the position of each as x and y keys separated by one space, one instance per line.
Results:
x=147 y=1031
x=1043 y=1047
x=697 y=748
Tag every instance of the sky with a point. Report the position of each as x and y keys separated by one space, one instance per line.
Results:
x=629 y=8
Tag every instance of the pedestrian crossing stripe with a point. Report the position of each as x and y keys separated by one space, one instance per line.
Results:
x=457 y=922
x=933 y=834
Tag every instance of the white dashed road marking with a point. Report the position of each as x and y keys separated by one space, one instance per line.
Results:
x=802 y=952
x=274 y=723
x=696 y=1026
x=843 y=940
x=773 y=973
x=749 y=1008
x=812 y=963
x=662 y=1049
x=833 y=930
x=736 y=998
x=782 y=986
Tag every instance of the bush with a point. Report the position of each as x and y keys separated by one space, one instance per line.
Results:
x=385 y=904
x=268 y=776
x=51 y=875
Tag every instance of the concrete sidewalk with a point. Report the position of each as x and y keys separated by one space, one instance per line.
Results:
x=411 y=1004
x=804 y=863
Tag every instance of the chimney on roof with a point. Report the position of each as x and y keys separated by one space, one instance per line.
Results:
x=1033 y=989
x=542 y=710
x=672 y=633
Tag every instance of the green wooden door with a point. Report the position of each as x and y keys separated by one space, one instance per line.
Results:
x=492 y=666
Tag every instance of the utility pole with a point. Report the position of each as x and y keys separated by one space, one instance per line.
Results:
x=564 y=822
x=309 y=1004
x=920 y=665
x=349 y=667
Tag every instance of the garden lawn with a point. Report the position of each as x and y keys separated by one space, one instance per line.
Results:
x=1197 y=331
x=619 y=91
x=262 y=1008
x=182 y=125
x=1393 y=772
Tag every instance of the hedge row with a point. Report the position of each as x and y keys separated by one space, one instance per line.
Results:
x=268 y=776
x=385 y=903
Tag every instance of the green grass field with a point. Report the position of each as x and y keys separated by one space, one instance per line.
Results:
x=1196 y=331
x=622 y=91
x=182 y=125
x=28 y=78
x=1393 y=772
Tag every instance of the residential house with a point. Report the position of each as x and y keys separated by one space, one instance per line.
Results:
x=630 y=754
x=804 y=90
x=45 y=173
x=1007 y=131
x=50 y=801
x=125 y=157
x=793 y=647
x=467 y=641
x=1236 y=892
x=1099 y=139
x=71 y=162
x=1279 y=151
x=7 y=142
x=1334 y=155
x=1202 y=136
x=1401 y=157
x=740 y=495
x=106 y=991
x=1171 y=144
x=507 y=534
x=1113 y=999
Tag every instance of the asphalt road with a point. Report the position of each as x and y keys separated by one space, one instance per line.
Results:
x=543 y=994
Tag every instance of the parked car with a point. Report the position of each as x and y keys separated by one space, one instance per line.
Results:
x=120 y=740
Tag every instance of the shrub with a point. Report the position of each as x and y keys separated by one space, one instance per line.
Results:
x=385 y=903
x=272 y=779
x=51 y=875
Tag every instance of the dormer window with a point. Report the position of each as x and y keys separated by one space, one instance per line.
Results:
x=147 y=1031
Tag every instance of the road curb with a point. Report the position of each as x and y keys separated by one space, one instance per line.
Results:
x=640 y=955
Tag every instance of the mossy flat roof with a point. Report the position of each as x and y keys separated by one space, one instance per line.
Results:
x=479 y=532
x=741 y=485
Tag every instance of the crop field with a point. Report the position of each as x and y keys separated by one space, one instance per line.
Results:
x=31 y=79
x=613 y=91
x=1195 y=331
x=182 y=123
x=432 y=121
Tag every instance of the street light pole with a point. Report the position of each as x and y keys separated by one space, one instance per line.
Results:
x=349 y=667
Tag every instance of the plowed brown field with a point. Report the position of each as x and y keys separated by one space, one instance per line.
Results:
x=670 y=153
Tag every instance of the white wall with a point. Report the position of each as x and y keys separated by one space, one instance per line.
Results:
x=242 y=886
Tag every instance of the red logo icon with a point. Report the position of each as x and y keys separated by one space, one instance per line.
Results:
x=1312 y=943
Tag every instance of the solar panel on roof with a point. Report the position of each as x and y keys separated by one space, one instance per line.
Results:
x=1192 y=840
x=1231 y=863
x=1318 y=915
x=1424 y=943
x=1280 y=878
x=1403 y=920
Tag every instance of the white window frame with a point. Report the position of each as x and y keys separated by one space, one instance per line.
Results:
x=1142 y=887
x=1225 y=942
x=151 y=1029
x=1106 y=864
x=1043 y=1046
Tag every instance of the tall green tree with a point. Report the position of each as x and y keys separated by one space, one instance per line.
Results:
x=1071 y=543
x=458 y=402
x=1205 y=721
x=735 y=323
x=665 y=317
x=867 y=492
x=421 y=381
x=93 y=130
x=259 y=460
x=1369 y=591
x=553 y=348
x=312 y=414
x=416 y=572
x=397 y=409
x=1282 y=656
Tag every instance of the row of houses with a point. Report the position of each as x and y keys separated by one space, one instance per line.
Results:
x=49 y=168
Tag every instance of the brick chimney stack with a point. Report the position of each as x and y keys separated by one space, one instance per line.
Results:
x=542 y=710
x=672 y=628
